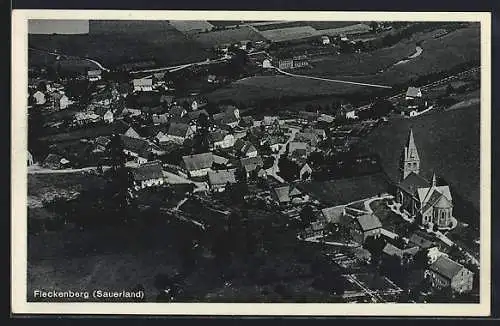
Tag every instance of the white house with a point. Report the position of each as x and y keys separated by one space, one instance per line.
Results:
x=108 y=116
x=325 y=40
x=176 y=133
x=39 y=98
x=221 y=139
x=413 y=93
x=60 y=101
x=94 y=75
x=148 y=175
x=267 y=63
x=143 y=84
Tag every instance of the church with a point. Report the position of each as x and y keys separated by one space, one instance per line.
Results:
x=426 y=201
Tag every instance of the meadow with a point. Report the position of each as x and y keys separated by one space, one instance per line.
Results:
x=117 y=42
x=227 y=36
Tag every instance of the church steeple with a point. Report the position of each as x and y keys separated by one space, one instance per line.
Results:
x=410 y=161
x=434 y=179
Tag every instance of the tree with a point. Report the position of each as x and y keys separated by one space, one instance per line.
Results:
x=116 y=152
x=289 y=170
x=373 y=26
x=307 y=215
x=421 y=259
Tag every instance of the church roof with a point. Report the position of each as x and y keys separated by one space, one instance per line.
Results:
x=410 y=151
x=413 y=182
x=433 y=194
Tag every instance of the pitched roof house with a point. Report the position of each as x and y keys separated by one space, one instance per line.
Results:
x=413 y=93
x=148 y=175
x=176 y=133
x=363 y=226
x=219 y=179
x=142 y=84
x=245 y=148
x=445 y=272
x=251 y=164
x=198 y=164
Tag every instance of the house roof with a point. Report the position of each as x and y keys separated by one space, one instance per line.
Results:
x=94 y=72
x=221 y=177
x=392 y=250
x=198 y=161
x=413 y=92
x=160 y=118
x=53 y=159
x=143 y=82
x=195 y=114
x=217 y=136
x=133 y=144
x=369 y=222
x=293 y=146
x=177 y=111
x=282 y=194
x=178 y=129
x=412 y=183
x=257 y=160
x=326 y=118
x=103 y=141
x=220 y=159
x=446 y=267
x=421 y=241
x=148 y=171
x=333 y=214
x=294 y=191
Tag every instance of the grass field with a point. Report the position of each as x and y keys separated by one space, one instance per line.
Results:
x=115 y=42
x=442 y=53
x=448 y=143
x=266 y=87
x=215 y=38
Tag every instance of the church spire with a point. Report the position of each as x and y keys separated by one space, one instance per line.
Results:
x=411 y=161
x=434 y=179
x=411 y=148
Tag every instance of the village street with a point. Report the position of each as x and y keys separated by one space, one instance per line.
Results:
x=275 y=169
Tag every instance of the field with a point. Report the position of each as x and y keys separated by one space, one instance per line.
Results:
x=233 y=35
x=116 y=42
x=344 y=191
x=438 y=54
x=267 y=87
x=448 y=143
x=314 y=24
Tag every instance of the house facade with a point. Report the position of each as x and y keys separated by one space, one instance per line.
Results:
x=219 y=179
x=142 y=84
x=148 y=175
x=198 y=165
x=364 y=226
x=445 y=272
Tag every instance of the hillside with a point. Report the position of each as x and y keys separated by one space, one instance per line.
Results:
x=117 y=42
x=448 y=143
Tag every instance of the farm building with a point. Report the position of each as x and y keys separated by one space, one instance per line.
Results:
x=147 y=175
x=245 y=148
x=198 y=165
x=251 y=164
x=325 y=40
x=54 y=161
x=221 y=139
x=30 y=160
x=285 y=194
x=39 y=98
x=305 y=172
x=59 y=101
x=94 y=75
x=445 y=272
x=299 y=61
x=176 y=133
x=143 y=84
x=364 y=226
x=218 y=180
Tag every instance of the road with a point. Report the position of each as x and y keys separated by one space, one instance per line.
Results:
x=186 y=65
x=97 y=63
x=35 y=169
x=275 y=169
x=330 y=80
x=425 y=87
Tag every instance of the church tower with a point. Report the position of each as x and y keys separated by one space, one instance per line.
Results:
x=410 y=161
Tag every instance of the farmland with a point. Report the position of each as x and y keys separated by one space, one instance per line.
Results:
x=439 y=54
x=117 y=42
x=216 y=38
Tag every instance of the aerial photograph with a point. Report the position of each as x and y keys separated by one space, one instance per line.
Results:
x=253 y=161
